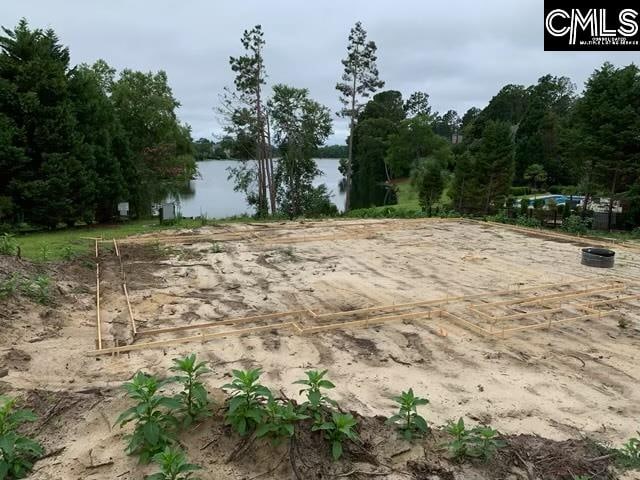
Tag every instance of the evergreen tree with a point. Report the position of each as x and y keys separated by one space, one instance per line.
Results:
x=359 y=80
x=494 y=166
x=428 y=180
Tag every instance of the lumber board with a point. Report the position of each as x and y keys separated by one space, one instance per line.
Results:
x=232 y=321
x=98 y=321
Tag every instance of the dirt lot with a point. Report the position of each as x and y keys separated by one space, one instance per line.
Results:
x=576 y=379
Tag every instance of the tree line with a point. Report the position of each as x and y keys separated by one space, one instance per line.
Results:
x=545 y=133
x=77 y=140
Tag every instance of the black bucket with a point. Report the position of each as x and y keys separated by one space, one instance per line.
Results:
x=598 y=257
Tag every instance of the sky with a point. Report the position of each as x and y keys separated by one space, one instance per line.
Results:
x=461 y=52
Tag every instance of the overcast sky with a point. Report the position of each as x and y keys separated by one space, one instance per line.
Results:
x=460 y=52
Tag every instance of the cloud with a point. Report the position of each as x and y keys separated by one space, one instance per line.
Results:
x=461 y=52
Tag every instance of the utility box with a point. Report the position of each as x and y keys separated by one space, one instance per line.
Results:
x=123 y=209
x=167 y=211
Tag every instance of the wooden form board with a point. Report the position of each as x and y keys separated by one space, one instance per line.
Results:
x=374 y=315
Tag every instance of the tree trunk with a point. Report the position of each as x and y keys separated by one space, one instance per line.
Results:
x=269 y=160
x=613 y=192
x=347 y=203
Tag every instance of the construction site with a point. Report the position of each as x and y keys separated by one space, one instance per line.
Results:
x=499 y=324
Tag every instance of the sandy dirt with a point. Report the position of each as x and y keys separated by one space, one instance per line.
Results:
x=577 y=379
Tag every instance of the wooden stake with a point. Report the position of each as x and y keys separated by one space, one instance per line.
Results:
x=98 y=324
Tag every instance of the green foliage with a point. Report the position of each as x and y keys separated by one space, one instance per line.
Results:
x=480 y=442
x=246 y=407
x=535 y=174
x=8 y=245
x=530 y=222
x=155 y=423
x=409 y=423
x=279 y=420
x=340 y=428
x=317 y=401
x=299 y=125
x=576 y=225
x=428 y=179
x=9 y=286
x=173 y=465
x=413 y=141
x=216 y=247
x=194 y=398
x=37 y=288
x=519 y=191
x=628 y=456
x=75 y=140
x=331 y=151
x=17 y=452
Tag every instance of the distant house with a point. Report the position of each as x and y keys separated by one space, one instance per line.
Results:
x=456 y=138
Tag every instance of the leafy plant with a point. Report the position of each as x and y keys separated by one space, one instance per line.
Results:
x=485 y=442
x=17 y=452
x=68 y=253
x=339 y=429
x=154 y=422
x=316 y=399
x=279 y=420
x=479 y=442
x=9 y=285
x=407 y=419
x=216 y=248
x=37 y=288
x=194 y=398
x=173 y=465
x=44 y=252
x=576 y=225
x=8 y=245
x=245 y=409
x=628 y=456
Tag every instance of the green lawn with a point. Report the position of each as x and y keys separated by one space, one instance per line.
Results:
x=66 y=243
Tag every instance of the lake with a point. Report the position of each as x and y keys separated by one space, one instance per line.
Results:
x=212 y=194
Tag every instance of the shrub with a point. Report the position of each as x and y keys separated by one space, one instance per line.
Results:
x=279 y=420
x=8 y=245
x=409 y=423
x=628 y=456
x=17 y=452
x=339 y=429
x=528 y=222
x=194 y=398
x=173 y=466
x=245 y=409
x=155 y=424
x=576 y=225
x=479 y=442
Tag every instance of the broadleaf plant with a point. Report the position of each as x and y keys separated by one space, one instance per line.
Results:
x=337 y=430
x=173 y=465
x=480 y=442
x=194 y=397
x=279 y=420
x=17 y=452
x=245 y=409
x=409 y=423
x=317 y=401
x=155 y=423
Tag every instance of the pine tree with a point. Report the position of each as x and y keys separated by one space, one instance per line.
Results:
x=359 y=80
